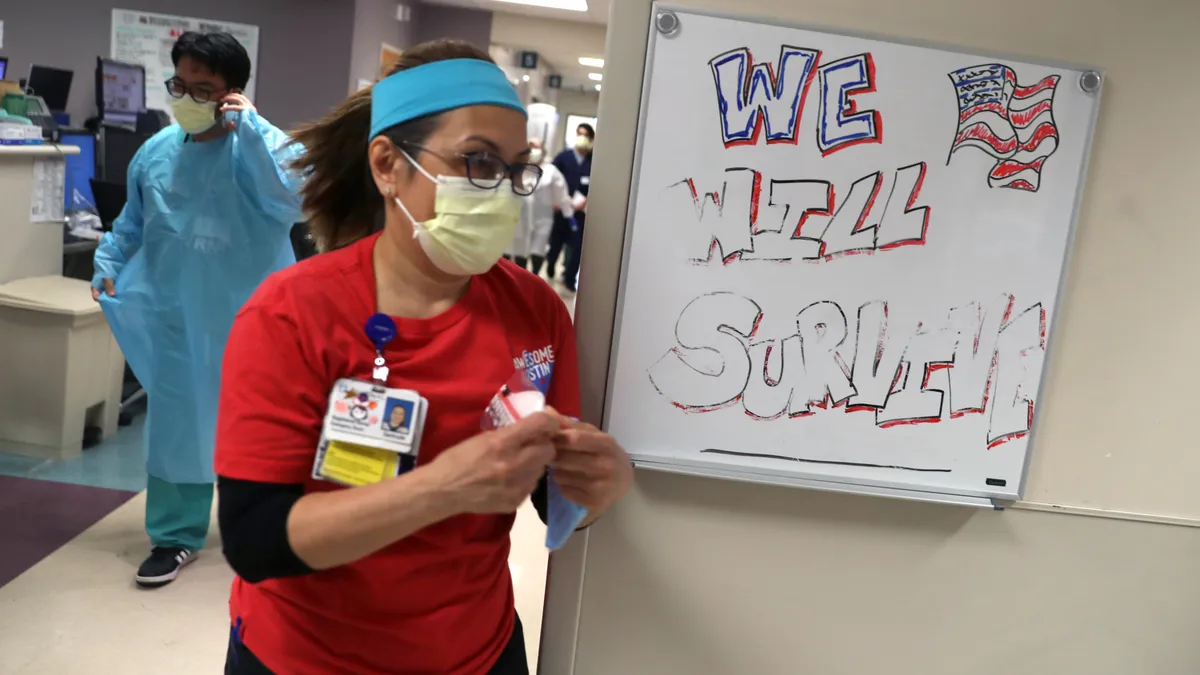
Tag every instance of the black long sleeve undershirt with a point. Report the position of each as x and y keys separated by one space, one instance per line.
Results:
x=253 y=519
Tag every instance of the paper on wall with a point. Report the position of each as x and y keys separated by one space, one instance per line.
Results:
x=146 y=39
x=46 y=198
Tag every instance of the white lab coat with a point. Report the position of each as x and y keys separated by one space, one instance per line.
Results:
x=537 y=214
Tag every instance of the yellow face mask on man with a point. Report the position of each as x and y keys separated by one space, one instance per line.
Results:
x=471 y=226
x=194 y=118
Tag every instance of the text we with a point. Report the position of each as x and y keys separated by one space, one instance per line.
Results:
x=753 y=97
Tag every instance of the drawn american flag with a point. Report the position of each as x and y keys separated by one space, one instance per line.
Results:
x=1012 y=123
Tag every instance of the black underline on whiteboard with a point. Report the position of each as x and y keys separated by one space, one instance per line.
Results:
x=735 y=453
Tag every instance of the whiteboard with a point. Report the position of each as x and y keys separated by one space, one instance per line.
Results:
x=146 y=39
x=843 y=258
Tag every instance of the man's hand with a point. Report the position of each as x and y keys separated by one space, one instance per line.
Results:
x=235 y=103
x=108 y=290
x=590 y=467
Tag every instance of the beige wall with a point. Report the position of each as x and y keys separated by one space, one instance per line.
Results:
x=375 y=24
x=560 y=43
x=698 y=577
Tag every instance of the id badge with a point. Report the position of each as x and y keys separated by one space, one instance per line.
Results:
x=370 y=433
x=365 y=414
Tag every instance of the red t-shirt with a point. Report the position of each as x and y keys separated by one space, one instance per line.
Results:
x=440 y=600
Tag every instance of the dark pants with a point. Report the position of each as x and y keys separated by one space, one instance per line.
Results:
x=535 y=263
x=574 y=255
x=240 y=661
x=561 y=236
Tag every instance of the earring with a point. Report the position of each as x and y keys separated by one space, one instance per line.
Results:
x=388 y=191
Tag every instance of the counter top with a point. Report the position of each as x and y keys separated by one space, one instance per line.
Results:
x=45 y=150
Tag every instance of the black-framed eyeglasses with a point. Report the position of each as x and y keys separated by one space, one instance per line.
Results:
x=487 y=171
x=200 y=94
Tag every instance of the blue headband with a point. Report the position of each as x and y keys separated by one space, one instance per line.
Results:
x=437 y=87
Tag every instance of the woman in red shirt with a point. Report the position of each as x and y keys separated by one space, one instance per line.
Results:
x=407 y=574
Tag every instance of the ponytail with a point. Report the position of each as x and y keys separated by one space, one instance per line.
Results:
x=340 y=197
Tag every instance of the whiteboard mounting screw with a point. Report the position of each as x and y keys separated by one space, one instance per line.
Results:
x=1089 y=81
x=667 y=23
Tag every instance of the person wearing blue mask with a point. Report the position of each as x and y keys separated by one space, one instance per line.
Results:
x=209 y=214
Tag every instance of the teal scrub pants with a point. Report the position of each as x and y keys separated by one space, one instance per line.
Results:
x=178 y=514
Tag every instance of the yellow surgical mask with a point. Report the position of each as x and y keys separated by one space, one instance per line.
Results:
x=471 y=226
x=194 y=118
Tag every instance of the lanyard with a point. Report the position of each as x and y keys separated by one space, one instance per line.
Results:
x=381 y=330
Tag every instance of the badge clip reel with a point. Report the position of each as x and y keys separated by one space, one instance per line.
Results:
x=371 y=432
x=381 y=330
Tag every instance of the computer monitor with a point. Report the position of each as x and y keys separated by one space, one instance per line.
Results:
x=120 y=91
x=81 y=168
x=3 y=66
x=52 y=84
x=116 y=148
x=110 y=200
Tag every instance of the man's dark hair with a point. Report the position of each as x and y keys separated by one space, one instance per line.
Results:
x=219 y=52
x=587 y=130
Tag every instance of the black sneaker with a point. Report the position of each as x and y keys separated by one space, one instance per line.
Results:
x=162 y=566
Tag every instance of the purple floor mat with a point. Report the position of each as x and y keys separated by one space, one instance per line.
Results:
x=37 y=517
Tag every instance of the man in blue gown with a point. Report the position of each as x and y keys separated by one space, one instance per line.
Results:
x=211 y=202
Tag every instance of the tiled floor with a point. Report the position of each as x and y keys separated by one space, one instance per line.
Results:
x=117 y=464
x=49 y=515
x=77 y=612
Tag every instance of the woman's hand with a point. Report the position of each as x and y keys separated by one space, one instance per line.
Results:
x=591 y=468
x=495 y=471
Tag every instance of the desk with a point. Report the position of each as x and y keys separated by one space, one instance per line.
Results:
x=60 y=367
x=78 y=255
x=30 y=248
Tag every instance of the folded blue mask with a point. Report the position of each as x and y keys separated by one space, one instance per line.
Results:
x=562 y=515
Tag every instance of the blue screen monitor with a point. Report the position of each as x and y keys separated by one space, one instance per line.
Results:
x=81 y=168
x=3 y=67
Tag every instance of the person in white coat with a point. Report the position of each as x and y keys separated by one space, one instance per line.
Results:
x=529 y=245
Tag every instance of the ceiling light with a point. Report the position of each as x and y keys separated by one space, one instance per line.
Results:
x=597 y=87
x=591 y=62
x=595 y=76
x=570 y=5
x=524 y=78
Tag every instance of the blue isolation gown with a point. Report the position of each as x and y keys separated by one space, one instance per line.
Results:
x=204 y=225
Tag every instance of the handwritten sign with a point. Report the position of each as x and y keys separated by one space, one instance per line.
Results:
x=845 y=256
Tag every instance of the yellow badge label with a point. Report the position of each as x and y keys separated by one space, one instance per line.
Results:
x=356 y=465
